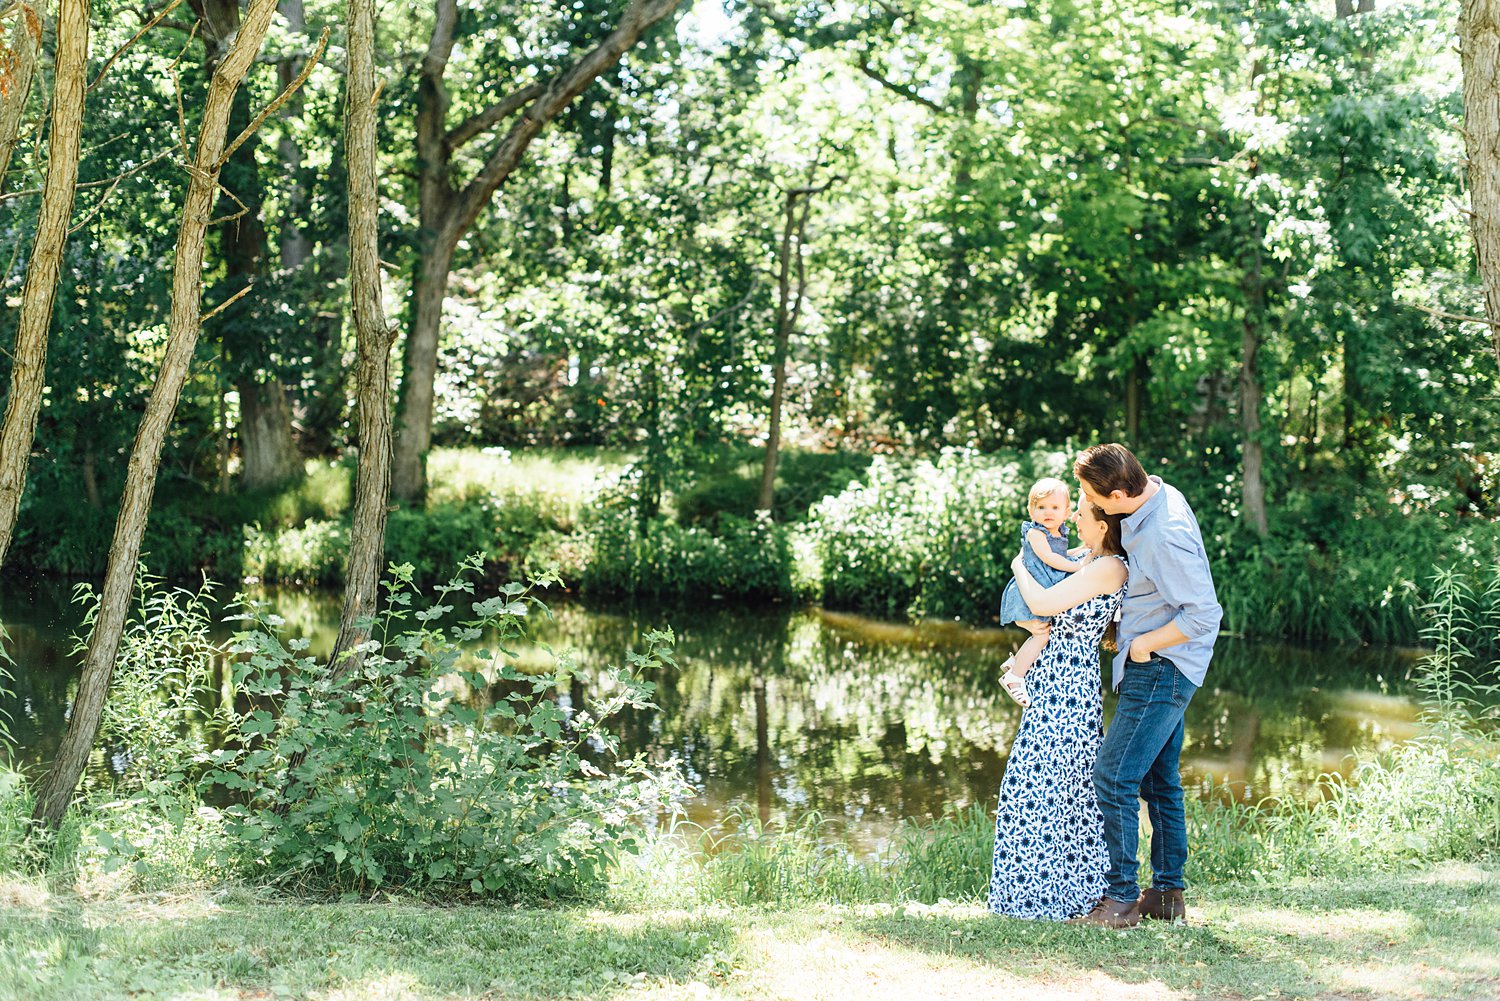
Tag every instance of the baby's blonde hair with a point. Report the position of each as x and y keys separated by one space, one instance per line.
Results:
x=1044 y=488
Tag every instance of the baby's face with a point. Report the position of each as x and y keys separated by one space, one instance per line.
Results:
x=1051 y=510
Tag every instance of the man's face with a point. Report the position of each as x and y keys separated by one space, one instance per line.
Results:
x=1109 y=504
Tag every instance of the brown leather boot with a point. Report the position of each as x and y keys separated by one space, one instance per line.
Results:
x=1162 y=905
x=1109 y=913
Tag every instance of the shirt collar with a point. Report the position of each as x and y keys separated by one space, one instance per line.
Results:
x=1136 y=520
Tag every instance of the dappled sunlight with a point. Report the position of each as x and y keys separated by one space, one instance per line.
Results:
x=395 y=986
x=1383 y=926
x=832 y=963
x=1416 y=980
x=1457 y=874
x=22 y=893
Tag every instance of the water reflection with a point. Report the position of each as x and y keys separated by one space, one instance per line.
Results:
x=782 y=710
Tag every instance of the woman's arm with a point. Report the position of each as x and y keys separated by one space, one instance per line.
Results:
x=1101 y=576
x=1038 y=542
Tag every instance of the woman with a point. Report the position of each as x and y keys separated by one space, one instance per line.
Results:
x=1050 y=857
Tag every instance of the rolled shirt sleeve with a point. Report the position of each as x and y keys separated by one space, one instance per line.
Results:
x=1186 y=585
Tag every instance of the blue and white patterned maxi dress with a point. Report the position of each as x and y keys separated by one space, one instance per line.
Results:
x=1050 y=856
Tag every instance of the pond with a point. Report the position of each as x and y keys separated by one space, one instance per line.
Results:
x=783 y=710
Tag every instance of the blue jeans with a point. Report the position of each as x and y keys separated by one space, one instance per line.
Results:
x=1139 y=757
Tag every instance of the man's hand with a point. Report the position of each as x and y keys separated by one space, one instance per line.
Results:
x=1139 y=652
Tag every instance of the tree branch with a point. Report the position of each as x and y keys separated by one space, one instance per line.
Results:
x=487 y=119
x=113 y=183
x=109 y=181
x=133 y=39
x=281 y=99
x=504 y=158
x=1443 y=314
x=903 y=90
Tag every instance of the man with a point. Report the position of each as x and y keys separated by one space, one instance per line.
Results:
x=1168 y=622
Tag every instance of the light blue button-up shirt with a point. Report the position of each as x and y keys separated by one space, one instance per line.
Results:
x=1169 y=582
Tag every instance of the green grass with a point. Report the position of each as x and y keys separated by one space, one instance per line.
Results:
x=560 y=480
x=1416 y=935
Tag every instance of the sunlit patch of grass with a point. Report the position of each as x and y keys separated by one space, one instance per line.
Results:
x=1417 y=935
x=562 y=480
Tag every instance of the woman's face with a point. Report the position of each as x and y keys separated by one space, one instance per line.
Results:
x=1091 y=529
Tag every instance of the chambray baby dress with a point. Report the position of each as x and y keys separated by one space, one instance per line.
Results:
x=1012 y=606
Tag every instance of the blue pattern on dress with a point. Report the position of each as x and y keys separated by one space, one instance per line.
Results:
x=1013 y=607
x=1050 y=857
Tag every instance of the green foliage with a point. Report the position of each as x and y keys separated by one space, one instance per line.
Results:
x=312 y=553
x=155 y=722
x=415 y=765
x=927 y=539
x=740 y=558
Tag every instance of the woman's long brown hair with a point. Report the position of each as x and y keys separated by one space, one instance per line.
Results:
x=1112 y=546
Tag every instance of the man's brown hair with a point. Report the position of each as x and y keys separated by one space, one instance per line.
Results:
x=1111 y=467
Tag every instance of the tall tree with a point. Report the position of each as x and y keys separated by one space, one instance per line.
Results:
x=183 y=326
x=447 y=210
x=18 y=58
x=797 y=205
x=1479 y=50
x=268 y=453
x=374 y=334
x=44 y=268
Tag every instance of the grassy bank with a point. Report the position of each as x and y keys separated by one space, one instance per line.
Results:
x=897 y=538
x=1414 y=935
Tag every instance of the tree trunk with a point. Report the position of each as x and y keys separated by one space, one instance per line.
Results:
x=419 y=373
x=767 y=496
x=44 y=268
x=21 y=49
x=294 y=245
x=268 y=453
x=374 y=334
x=447 y=212
x=1254 y=488
x=183 y=326
x=1479 y=50
x=788 y=312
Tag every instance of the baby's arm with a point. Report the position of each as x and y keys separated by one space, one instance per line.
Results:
x=1038 y=541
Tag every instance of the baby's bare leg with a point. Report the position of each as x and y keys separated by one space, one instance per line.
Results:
x=1032 y=648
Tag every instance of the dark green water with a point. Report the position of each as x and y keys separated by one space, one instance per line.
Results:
x=786 y=710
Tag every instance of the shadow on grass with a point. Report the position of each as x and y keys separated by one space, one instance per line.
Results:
x=1192 y=959
x=74 y=950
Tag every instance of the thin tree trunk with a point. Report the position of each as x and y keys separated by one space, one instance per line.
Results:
x=294 y=245
x=25 y=40
x=44 y=268
x=788 y=311
x=374 y=334
x=419 y=373
x=268 y=454
x=1253 y=491
x=448 y=212
x=1479 y=50
x=767 y=496
x=1253 y=287
x=183 y=326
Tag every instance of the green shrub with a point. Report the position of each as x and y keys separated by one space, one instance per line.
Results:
x=381 y=774
x=927 y=539
x=311 y=554
x=739 y=558
x=155 y=718
x=732 y=485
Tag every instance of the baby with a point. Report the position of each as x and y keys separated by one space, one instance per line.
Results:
x=1045 y=551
